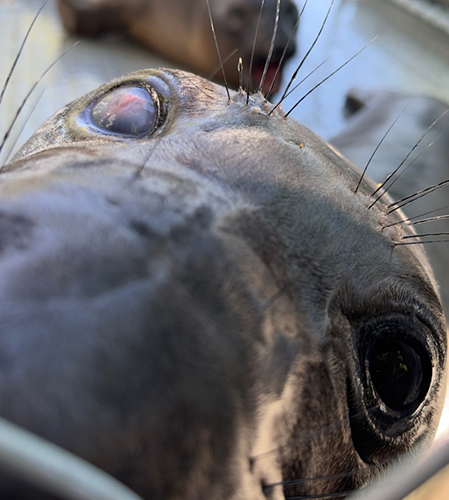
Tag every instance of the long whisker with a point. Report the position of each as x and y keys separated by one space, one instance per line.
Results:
x=329 y=76
x=281 y=60
x=411 y=163
x=139 y=171
x=212 y=26
x=310 y=436
x=402 y=173
x=376 y=149
x=25 y=100
x=295 y=73
x=409 y=222
x=270 y=51
x=417 y=143
x=19 y=53
x=415 y=196
x=425 y=235
x=419 y=242
x=301 y=82
x=329 y=477
x=341 y=494
x=250 y=69
x=218 y=68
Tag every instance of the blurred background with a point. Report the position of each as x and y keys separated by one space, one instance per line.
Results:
x=411 y=54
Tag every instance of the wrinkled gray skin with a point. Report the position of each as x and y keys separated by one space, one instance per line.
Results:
x=370 y=114
x=190 y=310
x=180 y=30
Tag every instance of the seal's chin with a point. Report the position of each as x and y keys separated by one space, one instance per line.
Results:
x=257 y=73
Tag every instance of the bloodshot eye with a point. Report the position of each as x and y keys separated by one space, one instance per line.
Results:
x=126 y=111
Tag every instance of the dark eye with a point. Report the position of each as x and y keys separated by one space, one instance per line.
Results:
x=126 y=111
x=399 y=371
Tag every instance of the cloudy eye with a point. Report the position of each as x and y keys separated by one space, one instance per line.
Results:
x=126 y=111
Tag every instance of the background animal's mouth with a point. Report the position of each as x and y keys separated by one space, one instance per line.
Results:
x=273 y=71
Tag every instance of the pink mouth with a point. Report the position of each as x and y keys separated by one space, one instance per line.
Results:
x=257 y=73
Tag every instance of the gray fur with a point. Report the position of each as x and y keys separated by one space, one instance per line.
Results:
x=187 y=310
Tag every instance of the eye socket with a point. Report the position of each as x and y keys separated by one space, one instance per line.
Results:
x=399 y=371
x=126 y=111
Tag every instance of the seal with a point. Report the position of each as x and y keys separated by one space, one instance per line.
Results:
x=423 y=121
x=181 y=31
x=193 y=299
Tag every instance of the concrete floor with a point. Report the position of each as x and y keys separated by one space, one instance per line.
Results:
x=408 y=55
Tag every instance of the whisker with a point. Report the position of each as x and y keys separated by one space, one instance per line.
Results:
x=19 y=53
x=324 y=495
x=218 y=50
x=422 y=221
x=419 y=242
x=416 y=196
x=250 y=69
x=270 y=51
x=407 y=167
x=332 y=74
x=417 y=143
x=425 y=235
x=139 y=171
x=25 y=100
x=225 y=60
x=405 y=221
x=310 y=436
x=377 y=147
x=19 y=132
x=281 y=60
x=293 y=482
x=300 y=83
x=240 y=72
x=295 y=73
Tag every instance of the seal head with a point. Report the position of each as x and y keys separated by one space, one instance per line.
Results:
x=193 y=298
